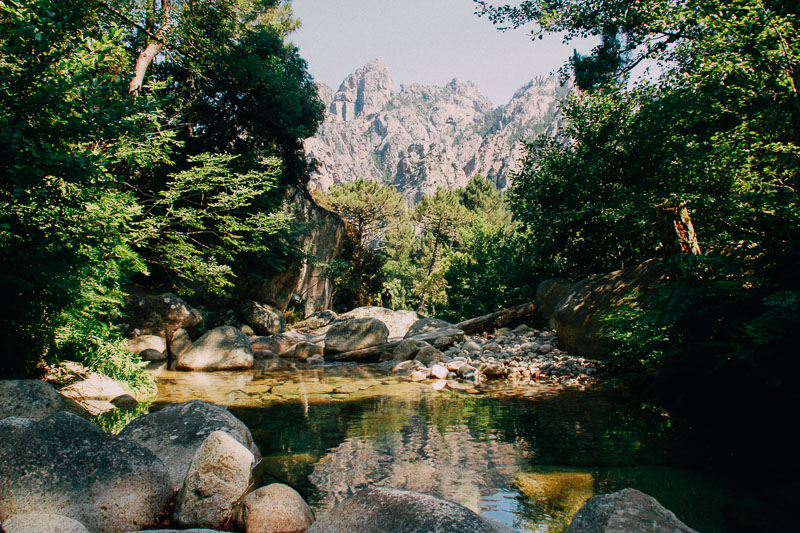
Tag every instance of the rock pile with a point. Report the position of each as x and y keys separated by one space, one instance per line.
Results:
x=521 y=356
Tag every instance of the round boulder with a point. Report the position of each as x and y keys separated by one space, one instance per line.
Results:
x=263 y=318
x=425 y=325
x=383 y=510
x=176 y=433
x=39 y=522
x=276 y=508
x=355 y=334
x=397 y=322
x=161 y=315
x=223 y=348
x=218 y=476
x=28 y=397
x=65 y=465
x=626 y=510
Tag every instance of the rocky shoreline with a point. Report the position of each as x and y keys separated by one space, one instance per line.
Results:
x=189 y=466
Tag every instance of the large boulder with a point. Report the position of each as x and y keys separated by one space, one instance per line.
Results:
x=355 y=334
x=382 y=510
x=95 y=394
x=263 y=318
x=397 y=322
x=282 y=345
x=40 y=522
x=549 y=293
x=627 y=510
x=175 y=434
x=28 y=397
x=218 y=477
x=224 y=348
x=65 y=465
x=426 y=325
x=576 y=318
x=139 y=343
x=276 y=508
x=161 y=315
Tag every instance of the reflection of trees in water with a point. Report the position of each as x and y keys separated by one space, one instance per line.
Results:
x=418 y=456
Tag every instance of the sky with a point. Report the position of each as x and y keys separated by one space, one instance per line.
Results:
x=422 y=41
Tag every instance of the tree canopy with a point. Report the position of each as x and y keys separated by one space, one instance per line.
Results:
x=113 y=165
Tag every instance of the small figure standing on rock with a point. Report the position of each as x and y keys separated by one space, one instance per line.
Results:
x=386 y=298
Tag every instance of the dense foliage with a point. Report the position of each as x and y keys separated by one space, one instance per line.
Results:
x=716 y=126
x=111 y=165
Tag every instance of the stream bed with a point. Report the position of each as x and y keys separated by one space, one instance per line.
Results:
x=528 y=457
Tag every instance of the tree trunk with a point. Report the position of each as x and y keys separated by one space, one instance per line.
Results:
x=507 y=317
x=150 y=51
x=676 y=230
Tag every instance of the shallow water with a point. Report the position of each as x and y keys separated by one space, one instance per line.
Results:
x=526 y=457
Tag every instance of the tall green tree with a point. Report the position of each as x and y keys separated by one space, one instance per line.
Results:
x=715 y=129
x=440 y=217
x=114 y=163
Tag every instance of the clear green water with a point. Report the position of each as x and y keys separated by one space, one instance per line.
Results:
x=528 y=458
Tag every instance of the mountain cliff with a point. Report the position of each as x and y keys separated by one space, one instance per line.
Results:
x=423 y=137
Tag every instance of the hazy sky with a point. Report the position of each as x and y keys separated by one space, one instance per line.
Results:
x=423 y=41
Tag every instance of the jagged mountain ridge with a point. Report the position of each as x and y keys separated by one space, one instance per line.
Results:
x=423 y=136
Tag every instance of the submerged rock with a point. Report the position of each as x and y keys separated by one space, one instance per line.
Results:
x=176 y=433
x=65 y=465
x=382 y=510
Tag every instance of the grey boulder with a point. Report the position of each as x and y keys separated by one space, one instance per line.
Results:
x=66 y=466
x=41 y=522
x=218 y=477
x=223 y=348
x=28 y=397
x=276 y=508
x=626 y=510
x=176 y=433
x=397 y=322
x=425 y=325
x=263 y=318
x=355 y=334
x=383 y=510
x=161 y=315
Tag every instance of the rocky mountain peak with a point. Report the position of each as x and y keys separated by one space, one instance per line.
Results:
x=423 y=136
x=363 y=92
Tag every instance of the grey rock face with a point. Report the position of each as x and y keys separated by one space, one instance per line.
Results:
x=425 y=325
x=224 y=348
x=176 y=433
x=217 y=477
x=263 y=318
x=40 y=522
x=65 y=465
x=626 y=510
x=276 y=508
x=302 y=277
x=424 y=137
x=355 y=334
x=28 y=397
x=381 y=510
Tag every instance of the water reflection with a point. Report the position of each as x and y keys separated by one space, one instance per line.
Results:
x=528 y=460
